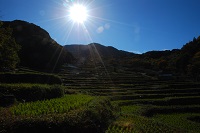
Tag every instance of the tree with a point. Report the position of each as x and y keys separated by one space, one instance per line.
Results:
x=8 y=49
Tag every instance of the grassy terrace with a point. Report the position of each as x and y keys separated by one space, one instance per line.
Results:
x=45 y=107
x=123 y=102
x=147 y=104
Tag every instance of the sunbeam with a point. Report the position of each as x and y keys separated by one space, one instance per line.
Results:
x=99 y=56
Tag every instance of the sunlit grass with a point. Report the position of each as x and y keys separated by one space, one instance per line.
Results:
x=53 y=106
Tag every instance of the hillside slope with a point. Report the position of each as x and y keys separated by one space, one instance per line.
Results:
x=96 y=52
x=38 y=50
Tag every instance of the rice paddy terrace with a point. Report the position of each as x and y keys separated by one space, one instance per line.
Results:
x=146 y=103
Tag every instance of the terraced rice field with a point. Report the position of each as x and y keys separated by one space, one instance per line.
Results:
x=52 y=106
x=147 y=104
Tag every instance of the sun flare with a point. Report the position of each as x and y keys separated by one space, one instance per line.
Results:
x=78 y=13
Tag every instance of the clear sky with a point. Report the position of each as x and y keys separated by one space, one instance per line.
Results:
x=131 y=25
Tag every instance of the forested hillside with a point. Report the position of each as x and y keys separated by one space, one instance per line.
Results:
x=182 y=62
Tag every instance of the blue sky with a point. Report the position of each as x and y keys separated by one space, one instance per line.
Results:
x=131 y=25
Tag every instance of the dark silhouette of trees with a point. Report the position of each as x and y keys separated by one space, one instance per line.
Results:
x=8 y=49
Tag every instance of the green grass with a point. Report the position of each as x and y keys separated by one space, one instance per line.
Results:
x=139 y=124
x=53 y=106
x=133 y=109
x=179 y=120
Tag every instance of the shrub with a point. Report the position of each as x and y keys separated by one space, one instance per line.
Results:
x=101 y=111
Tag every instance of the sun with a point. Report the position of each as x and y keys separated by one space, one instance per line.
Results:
x=78 y=13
